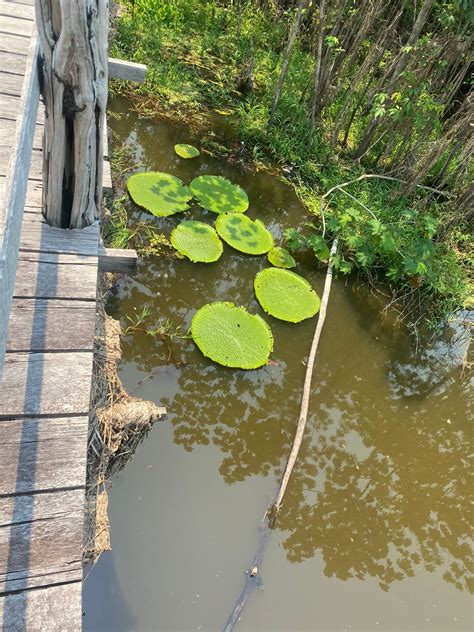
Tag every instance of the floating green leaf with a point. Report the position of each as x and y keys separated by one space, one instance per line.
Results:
x=231 y=336
x=219 y=195
x=160 y=193
x=186 y=151
x=240 y=232
x=281 y=258
x=286 y=295
x=198 y=241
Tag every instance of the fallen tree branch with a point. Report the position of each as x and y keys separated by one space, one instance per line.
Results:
x=253 y=579
x=366 y=176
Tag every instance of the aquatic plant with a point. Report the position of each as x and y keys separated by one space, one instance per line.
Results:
x=231 y=336
x=219 y=195
x=198 y=241
x=159 y=193
x=186 y=151
x=281 y=258
x=243 y=234
x=286 y=295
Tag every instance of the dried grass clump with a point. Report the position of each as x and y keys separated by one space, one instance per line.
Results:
x=118 y=423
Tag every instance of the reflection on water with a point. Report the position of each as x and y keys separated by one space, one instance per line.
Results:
x=382 y=486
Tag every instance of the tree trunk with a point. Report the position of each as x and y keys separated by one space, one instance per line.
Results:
x=286 y=57
x=317 y=74
x=73 y=37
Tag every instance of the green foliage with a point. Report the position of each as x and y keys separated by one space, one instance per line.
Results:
x=186 y=151
x=198 y=241
x=243 y=234
x=219 y=195
x=281 y=258
x=230 y=336
x=160 y=193
x=286 y=295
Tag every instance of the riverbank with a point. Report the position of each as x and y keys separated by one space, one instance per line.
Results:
x=416 y=245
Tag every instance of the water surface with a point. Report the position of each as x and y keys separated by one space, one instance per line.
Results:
x=374 y=532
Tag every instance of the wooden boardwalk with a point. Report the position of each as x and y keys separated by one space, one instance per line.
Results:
x=45 y=388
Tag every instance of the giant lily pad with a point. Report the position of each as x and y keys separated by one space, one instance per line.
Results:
x=243 y=234
x=186 y=151
x=219 y=195
x=281 y=258
x=231 y=336
x=197 y=241
x=286 y=295
x=160 y=193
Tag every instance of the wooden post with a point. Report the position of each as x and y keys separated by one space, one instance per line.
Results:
x=73 y=36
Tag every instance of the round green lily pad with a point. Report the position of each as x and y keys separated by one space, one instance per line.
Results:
x=243 y=234
x=231 y=336
x=219 y=195
x=186 y=151
x=160 y=193
x=198 y=241
x=286 y=295
x=281 y=258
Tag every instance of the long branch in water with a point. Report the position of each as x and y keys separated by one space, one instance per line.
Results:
x=253 y=579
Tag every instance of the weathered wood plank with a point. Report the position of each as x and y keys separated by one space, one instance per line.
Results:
x=127 y=70
x=38 y=236
x=45 y=384
x=56 y=276
x=35 y=166
x=34 y=193
x=117 y=260
x=15 y=63
x=13 y=43
x=10 y=83
x=107 y=186
x=51 y=325
x=15 y=25
x=7 y=133
x=57 y=608
x=17 y=10
x=10 y=107
x=41 y=539
x=43 y=454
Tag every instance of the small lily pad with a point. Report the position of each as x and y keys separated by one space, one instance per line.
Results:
x=186 y=151
x=243 y=234
x=231 y=336
x=198 y=241
x=286 y=295
x=160 y=193
x=281 y=258
x=219 y=195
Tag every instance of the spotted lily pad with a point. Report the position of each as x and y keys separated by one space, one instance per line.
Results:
x=186 y=151
x=219 y=195
x=198 y=241
x=286 y=295
x=160 y=193
x=231 y=336
x=281 y=258
x=243 y=234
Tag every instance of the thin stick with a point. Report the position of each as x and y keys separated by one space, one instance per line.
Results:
x=253 y=579
x=366 y=176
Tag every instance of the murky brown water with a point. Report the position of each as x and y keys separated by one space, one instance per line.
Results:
x=374 y=533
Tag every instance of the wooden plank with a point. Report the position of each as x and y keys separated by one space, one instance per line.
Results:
x=51 y=325
x=10 y=108
x=117 y=260
x=57 y=608
x=56 y=276
x=13 y=62
x=43 y=454
x=41 y=539
x=15 y=25
x=11 y=211
x=45 y=384
x=10 y=83
x=39 y=236
x=107 y=186
x=14 y=43
x=36 y=165
x=16 y=10
x=126 y=70
x=7 y=132
x=34 y=193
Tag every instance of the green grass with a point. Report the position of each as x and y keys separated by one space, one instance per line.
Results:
x=195 y=50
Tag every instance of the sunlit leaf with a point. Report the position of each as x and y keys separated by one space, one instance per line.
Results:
x=281 y=258
x=186 y=151
x=198 y=241
x=219 y=195
x=243 y=234
x=160 y=193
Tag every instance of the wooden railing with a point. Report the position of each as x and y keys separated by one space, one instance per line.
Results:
x=11 y=213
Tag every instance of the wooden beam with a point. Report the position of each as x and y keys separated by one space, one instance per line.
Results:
x=127 y=70
x=117 y=260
